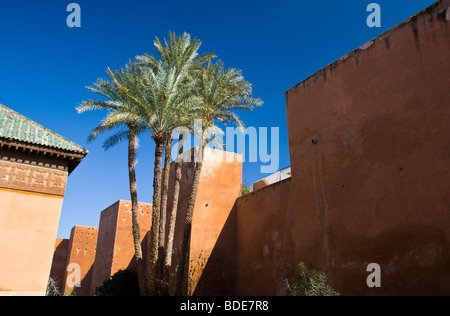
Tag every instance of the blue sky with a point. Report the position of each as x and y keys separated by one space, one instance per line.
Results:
x=45 y=66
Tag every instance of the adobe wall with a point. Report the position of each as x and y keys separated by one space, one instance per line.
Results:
x=374 y=188
x=105 y=246
x=28 y=226
x=266 y=240
x=81 y=251
x=59 y=261
x=212 y=252
x=115 y=249
x=124 y=246
x=213 y=231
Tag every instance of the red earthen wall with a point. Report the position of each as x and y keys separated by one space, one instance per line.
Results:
x=266 y=240
x=82 y=249
x=105 y=247
x=115 y=250
x=124 y=246
x=59 y=261
x=212 y=253
x=375 y=188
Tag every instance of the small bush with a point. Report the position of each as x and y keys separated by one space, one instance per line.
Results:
x=71 y=293
x=310 y=282
x=246 y=189
x=122 y=283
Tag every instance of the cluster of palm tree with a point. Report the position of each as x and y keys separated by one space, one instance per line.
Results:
x=157 y=95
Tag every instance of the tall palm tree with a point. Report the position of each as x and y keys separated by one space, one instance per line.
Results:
x=122 y=114
x=221 y=91
x=169 y=96
x=163 y=212
x=173 y=217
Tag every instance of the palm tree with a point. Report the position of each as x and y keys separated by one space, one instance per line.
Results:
x=221 y=91
x=122 y=114
x=173 y=217
x=163 y=212
x=168 y=97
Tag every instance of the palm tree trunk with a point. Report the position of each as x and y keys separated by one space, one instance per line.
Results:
x=163 y=213
x=173 y=218
x=188 y=225
x=153 y=251
x=132 y=147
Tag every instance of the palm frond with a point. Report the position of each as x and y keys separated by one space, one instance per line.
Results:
x=116 y=139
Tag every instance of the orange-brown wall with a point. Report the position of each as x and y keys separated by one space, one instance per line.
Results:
x=28 y=226
x=105 y=247
x=59 y=261
x=260 y=184
x=266 y=240
x=375 y=188
x=213 y=239
x=115 y=249
x=124 y=246
x=82 y=250
x=212 y=242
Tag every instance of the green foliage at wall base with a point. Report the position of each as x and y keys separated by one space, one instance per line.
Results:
x=310 y=282
x=123 y=283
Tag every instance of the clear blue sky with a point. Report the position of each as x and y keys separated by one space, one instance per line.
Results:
x=45 y=66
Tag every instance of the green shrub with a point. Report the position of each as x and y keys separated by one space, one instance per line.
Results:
x=246 y=189
x=122 y=283
x=310 y=282
x=71 y=293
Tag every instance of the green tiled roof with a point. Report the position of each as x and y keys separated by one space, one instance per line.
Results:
x=15 y=126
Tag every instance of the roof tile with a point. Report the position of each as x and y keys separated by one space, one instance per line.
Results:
x=18 y=127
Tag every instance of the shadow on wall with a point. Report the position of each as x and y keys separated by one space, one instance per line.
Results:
x=59 y=261
x=85 y=283
x=413 y=261
x=219 y=270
